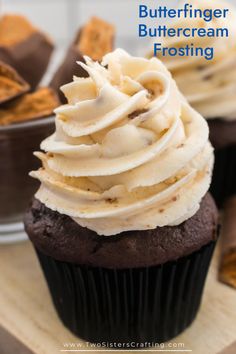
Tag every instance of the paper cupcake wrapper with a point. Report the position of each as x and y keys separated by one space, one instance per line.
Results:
x=224 y=174
x=137 y=305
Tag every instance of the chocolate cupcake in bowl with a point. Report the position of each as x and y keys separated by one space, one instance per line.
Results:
x=210 y=87
x=122 y=223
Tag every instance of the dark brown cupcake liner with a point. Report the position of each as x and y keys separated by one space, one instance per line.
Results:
x=139 y=305
x=224 y=174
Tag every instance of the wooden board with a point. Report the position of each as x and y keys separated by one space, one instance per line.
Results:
x=27 y=314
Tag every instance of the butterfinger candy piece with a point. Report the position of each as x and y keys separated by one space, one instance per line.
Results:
x=24 y=47
x=38 y=104
x=227 y=270
x=11 y=84
x=95 y=40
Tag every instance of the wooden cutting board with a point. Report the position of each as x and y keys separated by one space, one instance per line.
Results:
x=29 y=324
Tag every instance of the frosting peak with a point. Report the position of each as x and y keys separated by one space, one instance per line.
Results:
x=128 y=153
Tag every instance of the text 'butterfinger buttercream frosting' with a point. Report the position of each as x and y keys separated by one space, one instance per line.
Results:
x=128 y=153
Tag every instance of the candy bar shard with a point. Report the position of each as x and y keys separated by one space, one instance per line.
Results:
x=24 y=47
x=38 y=104
x=12 y=85
x=95 y=40
x=227 y=270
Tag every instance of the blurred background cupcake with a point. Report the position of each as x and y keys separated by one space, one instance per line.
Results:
x=210 y=87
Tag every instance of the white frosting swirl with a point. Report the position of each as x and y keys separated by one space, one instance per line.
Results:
x=209 y=85
x=128 y=153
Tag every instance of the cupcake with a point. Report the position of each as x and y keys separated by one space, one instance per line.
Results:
x=122 y=223
x=210 y=87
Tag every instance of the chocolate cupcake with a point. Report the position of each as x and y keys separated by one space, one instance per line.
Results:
x=210 y=87
x=122 y=223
